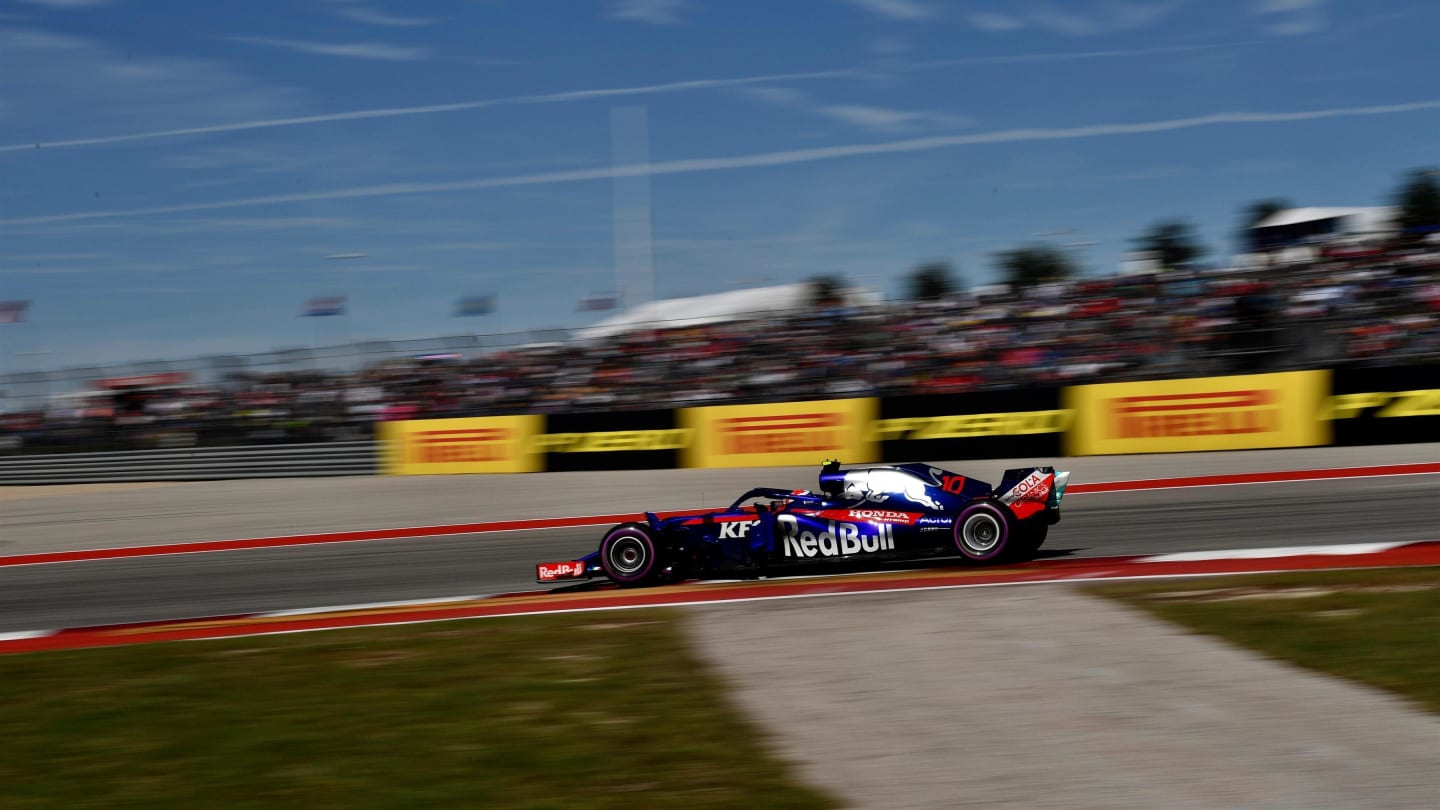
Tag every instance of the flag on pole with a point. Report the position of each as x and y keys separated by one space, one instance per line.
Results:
x=599 y=301
x=475 y=305
x=322 y=306
x=13 y=311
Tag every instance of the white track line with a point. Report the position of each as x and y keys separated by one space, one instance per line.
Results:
x=26 y=635
x=1266 y=553
x=443 y=600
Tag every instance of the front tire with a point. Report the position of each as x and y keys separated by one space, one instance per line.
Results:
x=983 y=531
x=629 y=554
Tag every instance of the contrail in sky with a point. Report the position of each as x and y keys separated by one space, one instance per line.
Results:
x=757 y=160
x=602 y=93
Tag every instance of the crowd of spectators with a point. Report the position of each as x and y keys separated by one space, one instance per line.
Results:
x=1343 y=306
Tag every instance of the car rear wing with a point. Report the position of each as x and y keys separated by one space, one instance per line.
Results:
x=1033 y=484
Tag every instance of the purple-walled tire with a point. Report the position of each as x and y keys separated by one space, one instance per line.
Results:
x=982 y=531
x=628 y=554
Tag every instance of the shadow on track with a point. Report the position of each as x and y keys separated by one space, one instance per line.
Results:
x=836 y=569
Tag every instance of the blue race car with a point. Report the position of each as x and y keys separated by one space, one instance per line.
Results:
x=905 y=511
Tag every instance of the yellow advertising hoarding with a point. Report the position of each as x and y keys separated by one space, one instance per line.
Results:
x=780 y=434
x=1209 y=413
x=484 y=444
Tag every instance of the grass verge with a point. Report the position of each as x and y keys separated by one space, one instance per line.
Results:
x=581 y=710
x=1379 y=627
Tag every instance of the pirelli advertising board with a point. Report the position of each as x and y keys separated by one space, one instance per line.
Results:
x=1022 y=423
x=618 y=440
x=1395 y=405
x=1209 y=413
x=483 y=444
x=780 y=434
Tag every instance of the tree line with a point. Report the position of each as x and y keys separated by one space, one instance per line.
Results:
x=1171 y=244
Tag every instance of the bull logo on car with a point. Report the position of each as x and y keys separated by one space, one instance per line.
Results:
x=879 y=485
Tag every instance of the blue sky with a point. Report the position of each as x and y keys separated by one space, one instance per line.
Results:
x=198 y=162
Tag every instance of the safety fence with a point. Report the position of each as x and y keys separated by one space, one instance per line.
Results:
x=1285 y=409
x=287 y=461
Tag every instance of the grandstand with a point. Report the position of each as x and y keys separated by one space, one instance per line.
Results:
x=1337 y=307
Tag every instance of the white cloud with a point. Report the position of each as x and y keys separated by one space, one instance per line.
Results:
x=473 y=246
x=73 y=83
x=366 y=267
x=350 y=50
x=1069 y=23
x=776 y=95
x=20 y=43
x=1074 y=19
x=651 y=12
x=429 y=109
x=68 y=4
x=884 y=119
x=247 y=161
x=899 y=9
x=889 y=46
x=373 y=16
x=1140 y=14
x=54 y=257
x=874 y=118
x=1295 y=28
x=756 y=160
x=1281 y=6
x=1288 y=18
x=994 y=21
x=1075 y=56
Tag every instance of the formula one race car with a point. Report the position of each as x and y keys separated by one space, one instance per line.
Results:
x=865 y=514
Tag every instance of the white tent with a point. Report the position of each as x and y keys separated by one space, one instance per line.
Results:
x=699 y=310
x=1352 y=221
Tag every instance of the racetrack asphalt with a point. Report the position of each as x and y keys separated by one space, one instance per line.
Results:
x=1149 y=522
x=90 y=516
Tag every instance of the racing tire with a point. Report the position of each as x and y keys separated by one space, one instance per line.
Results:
x=983 y=531
x=1029 y=537
x=629 y=555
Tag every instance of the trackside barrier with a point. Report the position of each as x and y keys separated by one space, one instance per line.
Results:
x=1385 y=405
x=270 y=461
x=1244 y=412
x=481 y=444
x=618 y=440
x=780 y=434
x=1346 y=407
x=987 y=424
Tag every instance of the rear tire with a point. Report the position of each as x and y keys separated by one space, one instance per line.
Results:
x=1029 y=537
x=983 y=531
x=629 y=554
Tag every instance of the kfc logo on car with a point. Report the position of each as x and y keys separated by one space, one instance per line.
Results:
x=736 y=530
